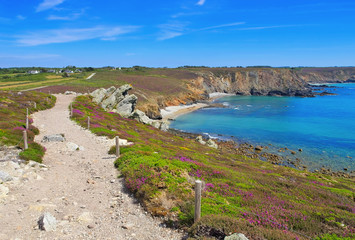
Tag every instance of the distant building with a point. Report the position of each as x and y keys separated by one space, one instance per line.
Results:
x=33 y=72
x=78 y=71
x=51 y=71
x=68 y=71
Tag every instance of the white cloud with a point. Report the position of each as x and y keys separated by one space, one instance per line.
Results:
x=222 y=26
x=201 y=2
x=48 y=4
x=171 y=30
x=176 y=29
x=268 y=27
x=34 y=56
x=72 y=35
x=20 y=17
x=70 y=17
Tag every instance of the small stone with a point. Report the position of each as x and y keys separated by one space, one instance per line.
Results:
x=236 y=236
x=113 y=181
x=72 y=146
x=128 y=226
x=90 y=226
x=3 y=191
x=47 y=222
x=259 y=148
x=53 y=138
x=5 y=177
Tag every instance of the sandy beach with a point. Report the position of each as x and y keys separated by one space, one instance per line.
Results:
x=173 y=112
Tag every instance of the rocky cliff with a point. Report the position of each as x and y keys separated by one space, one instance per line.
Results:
x=283 y=82
x=328 y=75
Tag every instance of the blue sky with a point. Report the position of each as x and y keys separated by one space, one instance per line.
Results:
x=157 y=33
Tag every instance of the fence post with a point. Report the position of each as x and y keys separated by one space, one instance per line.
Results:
x=25 y=139
x=88 y=122
x=198 y=184
x=35 y=105
x=117 y=146
x=27 y=125
x=71 y=110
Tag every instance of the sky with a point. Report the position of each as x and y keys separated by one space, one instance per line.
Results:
x=160 y=33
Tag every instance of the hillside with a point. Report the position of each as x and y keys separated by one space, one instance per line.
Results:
x=241 y=194
x=157 y=88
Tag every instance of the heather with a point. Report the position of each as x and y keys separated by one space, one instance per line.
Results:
x=13 y=107
x=240 y=194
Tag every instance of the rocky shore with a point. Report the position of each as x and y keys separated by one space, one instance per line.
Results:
x=262 y=153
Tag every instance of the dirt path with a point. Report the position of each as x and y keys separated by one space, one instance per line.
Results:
x=79 y=188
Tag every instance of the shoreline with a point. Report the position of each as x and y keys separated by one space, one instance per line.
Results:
x=173 y=112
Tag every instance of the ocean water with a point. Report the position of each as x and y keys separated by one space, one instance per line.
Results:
x=323 y=127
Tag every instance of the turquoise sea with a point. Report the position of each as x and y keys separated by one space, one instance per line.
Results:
x=323 y=126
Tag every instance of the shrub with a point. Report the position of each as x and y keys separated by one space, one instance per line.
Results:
x=35 y=152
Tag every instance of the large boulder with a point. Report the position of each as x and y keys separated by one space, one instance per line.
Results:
x=211 y=143
x=126 y=107
x=200 y=140
x=141 y=117
x=98 y=95
x=114 y=96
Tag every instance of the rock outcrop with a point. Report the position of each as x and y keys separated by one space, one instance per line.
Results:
x=283 y=82
x=118 y=100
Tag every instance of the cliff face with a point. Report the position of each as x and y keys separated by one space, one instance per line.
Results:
x=328 y=75
x=271 y=82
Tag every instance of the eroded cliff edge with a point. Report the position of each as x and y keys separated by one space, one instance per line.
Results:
x=157 y=88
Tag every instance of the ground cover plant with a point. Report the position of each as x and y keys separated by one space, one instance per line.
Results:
x=241 y=194
x=13 y=112
x=23 y=81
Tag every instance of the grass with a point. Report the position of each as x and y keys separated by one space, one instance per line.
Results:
x=12 y=120
x=241 y=194
x=30 y=81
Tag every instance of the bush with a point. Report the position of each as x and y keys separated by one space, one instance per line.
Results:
x=35 y=152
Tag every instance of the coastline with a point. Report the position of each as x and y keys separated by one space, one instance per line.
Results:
x=245 y=148
x=172 y=112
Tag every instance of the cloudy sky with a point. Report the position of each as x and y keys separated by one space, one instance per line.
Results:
x=157 y=33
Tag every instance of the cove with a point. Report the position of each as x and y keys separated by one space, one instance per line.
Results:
x=323 y=126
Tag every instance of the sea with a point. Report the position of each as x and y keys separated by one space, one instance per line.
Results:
x=323 y=127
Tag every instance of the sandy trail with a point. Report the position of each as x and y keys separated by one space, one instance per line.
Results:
x=79 y=189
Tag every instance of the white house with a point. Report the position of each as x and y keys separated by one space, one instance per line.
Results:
x=33 y=72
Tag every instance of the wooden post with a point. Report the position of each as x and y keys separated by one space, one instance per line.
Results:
x=198 y=184
x=25 y=139
x=88 y=122
x=27 y=125
x=71 y=110
x=117 y=146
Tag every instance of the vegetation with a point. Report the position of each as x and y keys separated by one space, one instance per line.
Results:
x=13 y=120
x=241 y=194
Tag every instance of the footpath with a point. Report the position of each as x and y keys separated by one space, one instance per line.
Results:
x=77 y=184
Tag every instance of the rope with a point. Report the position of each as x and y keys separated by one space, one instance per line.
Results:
x=19 y=141
x=243 y=210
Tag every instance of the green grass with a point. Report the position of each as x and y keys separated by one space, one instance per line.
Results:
x=13 y=107
x=240 y=194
